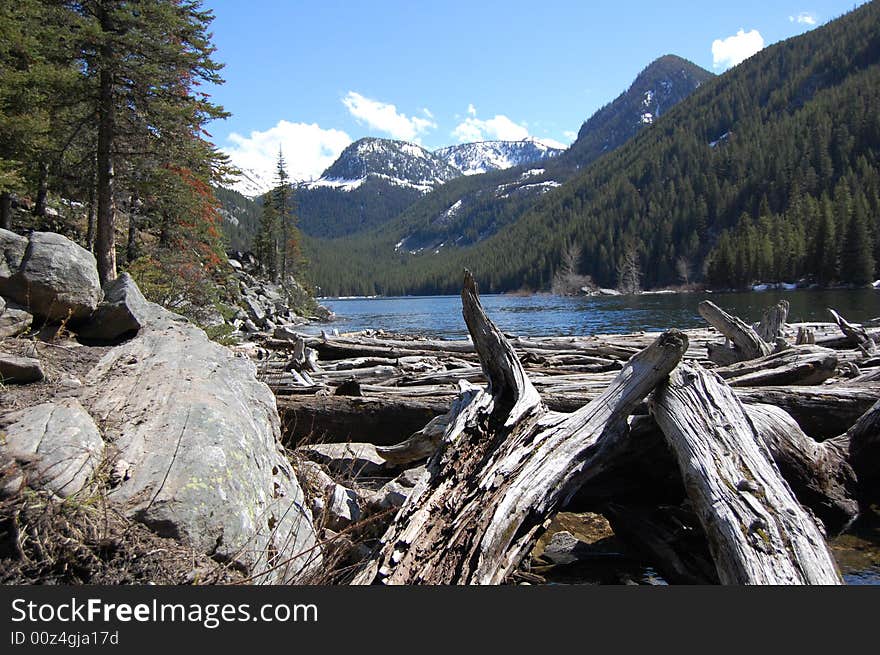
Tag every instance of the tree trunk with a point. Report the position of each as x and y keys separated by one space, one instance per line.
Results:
x=861 y=447
x=758 y=533
x=772 y=325
x=105 y=244
x=42 y=190
x=6 y=210
x=505 y=464
x=131 y=249
x=91 y=228
x=802 y=365
x=818 y=473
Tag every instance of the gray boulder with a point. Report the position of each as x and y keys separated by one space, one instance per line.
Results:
x=122 y=313
x=200 y=436
x=57 y=444
x=20 y=370
x=394 y=493
x=12 y=249
x=254 y=309
x=14 y=321
x=343 y=507
x=56 y=278
x=348 y=459
x=333 y=505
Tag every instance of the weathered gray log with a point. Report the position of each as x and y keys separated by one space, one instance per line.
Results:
x=772 y=324
x=382 y=421
x=758 y=533
x=861 y=447
x=822 y=412
x=420 y=445
x=749 y=344
x=819 y=474
x=802 y=365
x=856 y=334
x=505 y=465
x=644 y=471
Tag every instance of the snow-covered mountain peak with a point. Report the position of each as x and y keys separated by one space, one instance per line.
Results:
x=485 y=156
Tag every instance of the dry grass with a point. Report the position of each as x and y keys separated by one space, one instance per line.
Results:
x=46 y=540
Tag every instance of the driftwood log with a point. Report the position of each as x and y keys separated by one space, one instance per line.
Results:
x=506 y=464
x=856 y=334
x=747 y=344
x=758 y=533
x=772 y=324
x=800 y=365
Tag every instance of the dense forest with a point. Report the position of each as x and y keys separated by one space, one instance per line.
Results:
x=769 y=172
x=103 y=138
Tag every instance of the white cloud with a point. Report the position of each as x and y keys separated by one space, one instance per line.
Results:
x=569 y=134
x=500 y=128
x=471 y=110
x=803 y=18
x=734 y=49
x=384 y=117
x=308 y=149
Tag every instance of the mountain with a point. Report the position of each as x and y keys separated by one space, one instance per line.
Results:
x=657 y=89
x=375 y=180
x=485 y=156
x=399 y=162
x=768 y=172
x=471 y=208
x=468 y=210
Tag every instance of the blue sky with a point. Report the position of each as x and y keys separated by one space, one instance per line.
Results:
x=314 y=76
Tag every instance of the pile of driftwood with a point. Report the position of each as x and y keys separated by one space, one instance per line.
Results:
x=725 y=454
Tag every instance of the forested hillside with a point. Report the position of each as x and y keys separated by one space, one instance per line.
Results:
x=101 y=136
x=768 y=172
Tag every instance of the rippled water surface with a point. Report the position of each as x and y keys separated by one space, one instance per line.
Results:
x=546 y=315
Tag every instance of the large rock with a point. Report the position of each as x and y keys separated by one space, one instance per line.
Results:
x=200 y=438
x=56 y=278
x=121 y=314
x=20 y=370
x=14 y=321
x=57 y=444
x=254 y=309
x=12 y=249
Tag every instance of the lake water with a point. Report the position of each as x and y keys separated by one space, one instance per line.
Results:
x=547 y=315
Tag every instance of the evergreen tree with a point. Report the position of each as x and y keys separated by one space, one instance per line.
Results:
x=267 y=241
x=825 y=245
x=281 y=197
x=857 y=258
x=145 y=60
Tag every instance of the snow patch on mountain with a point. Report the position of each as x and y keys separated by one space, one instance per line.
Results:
x=485 y=156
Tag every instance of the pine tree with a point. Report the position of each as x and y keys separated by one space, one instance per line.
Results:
x=825 y=245
x=267 y=240
x=857 y=259
x=281 y=197
x=145 y=60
